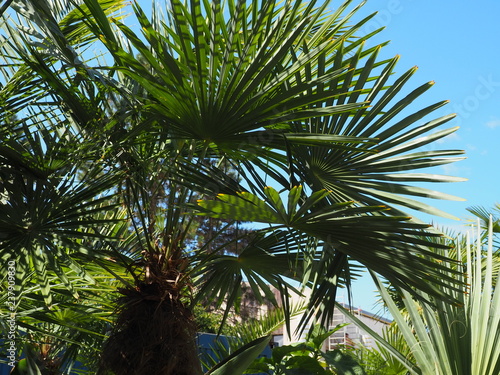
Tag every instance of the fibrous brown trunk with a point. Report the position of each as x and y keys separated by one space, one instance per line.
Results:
x=154 y=334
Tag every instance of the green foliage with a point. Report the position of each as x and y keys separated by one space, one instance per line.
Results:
x=26 y=367
x=308 y=358
x=237 y=362
x=70 y=331
x=207 y=321
x=109 y=135
x=486 y=216
x=379 y=360
x=453 y=338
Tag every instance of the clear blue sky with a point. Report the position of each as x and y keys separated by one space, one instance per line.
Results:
x=457 y=45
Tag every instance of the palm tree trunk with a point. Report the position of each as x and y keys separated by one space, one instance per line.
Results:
x=155 y=332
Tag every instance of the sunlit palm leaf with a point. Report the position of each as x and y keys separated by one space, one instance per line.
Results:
x=240 y=98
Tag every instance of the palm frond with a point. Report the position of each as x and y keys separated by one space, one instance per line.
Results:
x=448 y=338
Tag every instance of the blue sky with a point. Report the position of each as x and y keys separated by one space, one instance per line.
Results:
x=457 y=45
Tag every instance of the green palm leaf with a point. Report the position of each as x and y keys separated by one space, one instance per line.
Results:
x=42 y=219
x=453 y=338
x=378 y=241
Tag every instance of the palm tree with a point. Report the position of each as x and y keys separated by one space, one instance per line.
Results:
x=290 y=95
x=453 y=338
x=69 y=334
x=487 y=215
